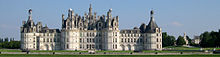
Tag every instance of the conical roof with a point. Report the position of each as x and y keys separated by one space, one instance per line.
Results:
x=152 y=25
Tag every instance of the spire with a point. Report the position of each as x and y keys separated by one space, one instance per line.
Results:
x=70 y=13
x=30 y=14
x=30 y=21
x=62 y=16
x=90 y=10
x=109 y=14
x=184 y=34
x=152 y=24
x=151 y=15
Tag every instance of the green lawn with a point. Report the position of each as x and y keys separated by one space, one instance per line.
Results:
x=16 y=55
x=10 y=50
x=55 y=51
x=188 y=48
x=149 y=51
x=114 y=51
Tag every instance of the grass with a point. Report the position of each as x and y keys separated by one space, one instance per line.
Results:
x=55 y=51
x=24 y=55
x=188 y=48
x=162 y=51
x=10 y=50
x=149 y=51
x=114 y=51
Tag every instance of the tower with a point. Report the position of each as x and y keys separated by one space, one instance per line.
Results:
x=185 y=38
x=153 y=35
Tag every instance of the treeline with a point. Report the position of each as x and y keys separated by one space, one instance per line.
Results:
x=9 y=43
x=168 y=40
x=207 y=39
x=210 y=39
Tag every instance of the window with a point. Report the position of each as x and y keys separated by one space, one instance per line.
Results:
x=115 y=46
x=80 y=40
x=115 y=33
x=34 y=40
x=67 y=46
x=87 y=34
x=157 y=40
x=134 y=40
x=125 y=40
x=93 y=46
x=51 y=40
x=122 y=40
x=128 y=40
x=80 y=46
x=115 y=39
x=44 y=40
x=87 y=40
x=67 y=39
x=87 y=46
x=157 y=46
x=100 y=24
x=47 y=39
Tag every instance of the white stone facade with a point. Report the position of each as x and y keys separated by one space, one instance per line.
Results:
x=90 y=32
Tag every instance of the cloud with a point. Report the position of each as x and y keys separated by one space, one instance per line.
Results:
x=176 y=24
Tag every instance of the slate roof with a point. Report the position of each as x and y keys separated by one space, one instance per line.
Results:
x=151 y=26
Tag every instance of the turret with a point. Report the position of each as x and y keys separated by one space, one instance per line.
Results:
x=30 y=21
x=69 y=13
x=117 y=18
x=63 y=21
x=30 y=14
x=39 y=26
x=72 y=14
x=109 y=14
x=151 y=27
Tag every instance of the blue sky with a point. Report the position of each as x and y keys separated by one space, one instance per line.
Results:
x=174 y=16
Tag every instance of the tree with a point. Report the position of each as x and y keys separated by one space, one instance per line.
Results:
x=6 y=39
x=180 y=41
x=167 y=40
x=208 y=39
x=1 y=40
